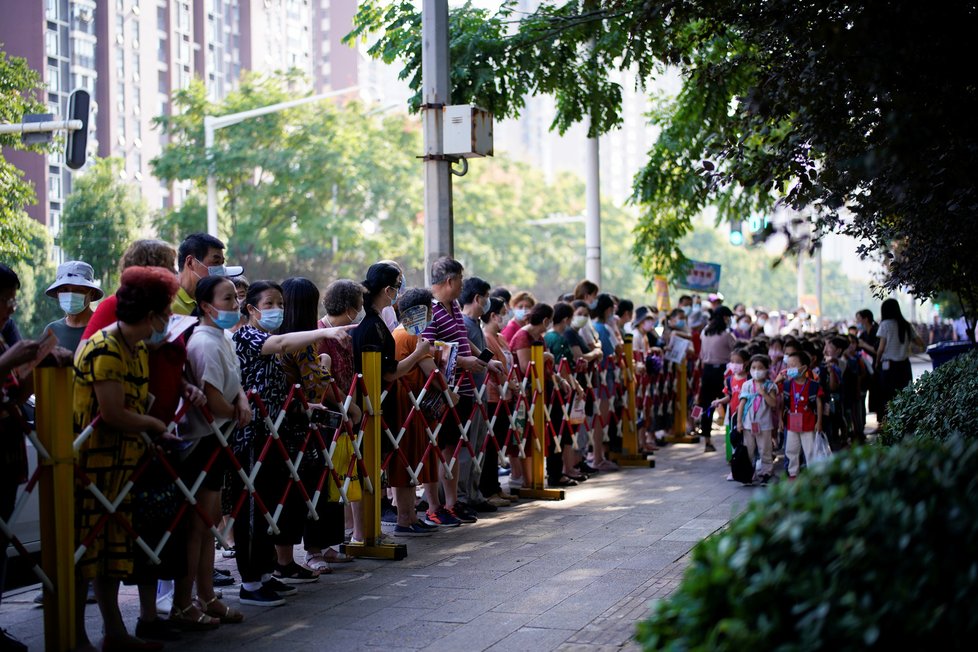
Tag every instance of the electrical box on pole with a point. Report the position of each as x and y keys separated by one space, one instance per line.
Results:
x=467 y=131
x=76 y=144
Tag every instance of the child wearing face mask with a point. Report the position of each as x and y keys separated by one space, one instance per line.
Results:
x=735 y=377
x=802 y=398
x=758 y=404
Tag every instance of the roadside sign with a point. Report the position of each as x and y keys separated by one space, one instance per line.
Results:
x=702 y=277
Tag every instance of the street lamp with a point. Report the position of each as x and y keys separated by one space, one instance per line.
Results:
x=213 y=123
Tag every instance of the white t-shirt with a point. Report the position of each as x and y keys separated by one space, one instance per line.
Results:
x=895 y=349
x=211 y=360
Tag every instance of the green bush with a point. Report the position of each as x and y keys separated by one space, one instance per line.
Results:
x=877 y=549
x=940 y=403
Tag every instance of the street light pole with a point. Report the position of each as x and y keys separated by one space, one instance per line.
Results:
x=438 y=219
x=213 y=123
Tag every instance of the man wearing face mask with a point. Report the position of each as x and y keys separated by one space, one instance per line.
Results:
x=200 y=255
x=75 y=289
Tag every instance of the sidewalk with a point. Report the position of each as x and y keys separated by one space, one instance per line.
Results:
x=571 y=575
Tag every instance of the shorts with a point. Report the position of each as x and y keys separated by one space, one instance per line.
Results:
x=193 y=464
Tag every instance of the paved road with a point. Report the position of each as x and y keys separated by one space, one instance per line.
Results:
x=574 y=574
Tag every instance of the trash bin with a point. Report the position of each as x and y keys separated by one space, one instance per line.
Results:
x=945 y=351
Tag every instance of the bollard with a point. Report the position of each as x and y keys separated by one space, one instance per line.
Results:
x=538 y=450
x=629 y=455
x=372 y=546
x=681 y=410
x=53 y=389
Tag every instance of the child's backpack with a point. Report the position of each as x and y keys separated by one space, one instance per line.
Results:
x=741 y=466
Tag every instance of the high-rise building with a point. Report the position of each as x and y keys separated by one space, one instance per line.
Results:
x=132 y=55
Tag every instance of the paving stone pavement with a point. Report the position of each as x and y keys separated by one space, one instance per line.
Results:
x=566 y=575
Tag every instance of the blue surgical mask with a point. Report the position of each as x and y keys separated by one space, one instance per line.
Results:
x=681 y=323
x=158 y=337
x=72 y=303
x=687 y=310
x=519 y=314
x=792 y=372
x=225 y=319
x=271 y=318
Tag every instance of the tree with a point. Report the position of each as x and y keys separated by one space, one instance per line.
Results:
x=852 y=113
x=302 y=191
x=102 y=216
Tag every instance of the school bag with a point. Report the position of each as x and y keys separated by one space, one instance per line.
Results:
x=741 y=466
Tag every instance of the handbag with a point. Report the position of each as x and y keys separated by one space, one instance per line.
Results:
x=821 y=451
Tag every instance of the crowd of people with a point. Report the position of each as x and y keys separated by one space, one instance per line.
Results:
x=772 y=378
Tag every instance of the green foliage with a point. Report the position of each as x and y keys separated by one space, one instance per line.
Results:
x=914 y=413
x=851 y=113
x=35 y=309
x=873 y=552
x=20 y=88
x=102 y=216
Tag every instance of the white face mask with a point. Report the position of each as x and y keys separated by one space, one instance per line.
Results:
x=578 y=322
x=72 y=303
x=360 y=315
x=758 y=374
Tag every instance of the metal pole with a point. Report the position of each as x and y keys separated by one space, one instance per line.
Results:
x=592 y=228
x=438 y=219
x=211 y=182
x=818 y=284
x=39 y=127
x=801 y=277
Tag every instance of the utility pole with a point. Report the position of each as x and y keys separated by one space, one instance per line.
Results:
x=592 y=228
x=438 y=219
x=818 y=283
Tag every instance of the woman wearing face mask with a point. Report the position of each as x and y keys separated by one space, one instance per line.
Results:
x=112 y=380
x=499 y=392
x=757 y=329
x=310 y=370
x=259 y=352
x=604 y=307
x=717 y=343
x=520 y=306
x=214 y=367
x=383 y=283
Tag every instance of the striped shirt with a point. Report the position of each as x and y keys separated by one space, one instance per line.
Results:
x=450 y=327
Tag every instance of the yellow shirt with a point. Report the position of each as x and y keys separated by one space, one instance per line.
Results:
x=183 y=303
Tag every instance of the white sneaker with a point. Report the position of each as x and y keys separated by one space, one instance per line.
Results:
x=515 y=485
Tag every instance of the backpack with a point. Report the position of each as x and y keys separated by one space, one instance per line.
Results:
x=741 y=466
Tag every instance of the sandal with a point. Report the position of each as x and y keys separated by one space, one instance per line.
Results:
x=318 y=563
x=563 y=481
x=183 y=620
x=222 y=612
x=334 y=557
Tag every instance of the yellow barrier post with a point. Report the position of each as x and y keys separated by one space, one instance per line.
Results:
x=629 y=455
x=680 y=409
x=372 y=546
x=53 y=389
x=538 y=453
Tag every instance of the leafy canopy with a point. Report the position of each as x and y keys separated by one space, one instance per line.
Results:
x=854 y=114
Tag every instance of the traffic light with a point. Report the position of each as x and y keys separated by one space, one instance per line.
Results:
x=76 y=144
x=737 y=233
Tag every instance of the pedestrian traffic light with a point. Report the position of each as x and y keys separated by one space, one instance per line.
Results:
x=76 y=144
x=737 y=233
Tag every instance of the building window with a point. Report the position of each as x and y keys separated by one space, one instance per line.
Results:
x=51 y=9
x=54 y=79
x=54 y=187
x=51 y=43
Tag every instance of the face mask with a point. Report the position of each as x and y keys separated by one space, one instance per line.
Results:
x=158 y=337
x=758 y=374
x=687 y=310
x=792 y=372
x=578 y=322
x=486 y=305
x=72 y=302
x=213 y=270
x=519 y=314
x=697 y=307
x=761 y=321
x=802 y=316
x=225 y=319
x=775 y=355
x=681 y=323
x=360 y=315
x=735 y=367
x=271 y=318
x=744 y=325
x=648 y=325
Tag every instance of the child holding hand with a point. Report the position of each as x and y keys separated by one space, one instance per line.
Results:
x=735 y=378
x=803 y=400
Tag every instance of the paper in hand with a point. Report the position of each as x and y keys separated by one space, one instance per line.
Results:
x=415 y=320
x=47 y=343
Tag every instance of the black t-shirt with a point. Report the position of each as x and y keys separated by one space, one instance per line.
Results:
x=373 y=335
x=870 y=337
